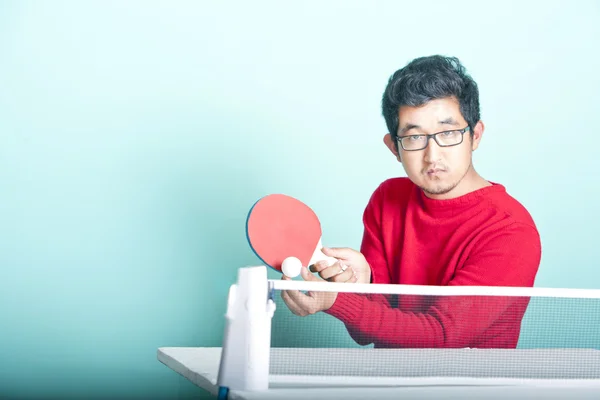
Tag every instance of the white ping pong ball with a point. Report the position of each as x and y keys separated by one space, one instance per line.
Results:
x=291 y=267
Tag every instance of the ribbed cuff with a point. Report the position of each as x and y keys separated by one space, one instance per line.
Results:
x=347 y=308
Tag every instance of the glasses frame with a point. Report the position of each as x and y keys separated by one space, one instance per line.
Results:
x=434 y=136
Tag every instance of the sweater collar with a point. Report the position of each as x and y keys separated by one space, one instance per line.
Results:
x=457 y=204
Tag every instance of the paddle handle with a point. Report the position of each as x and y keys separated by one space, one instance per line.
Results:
x=318 y=255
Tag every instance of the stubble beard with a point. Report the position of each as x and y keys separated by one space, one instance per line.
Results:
x=439 y=188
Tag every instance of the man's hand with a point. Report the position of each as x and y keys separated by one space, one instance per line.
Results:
x=352 y=267
x=311 y=303
x=354 y=260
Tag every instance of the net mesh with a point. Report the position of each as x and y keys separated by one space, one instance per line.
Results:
x=387 y=337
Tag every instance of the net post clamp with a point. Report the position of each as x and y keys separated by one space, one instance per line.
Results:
x=245 y=354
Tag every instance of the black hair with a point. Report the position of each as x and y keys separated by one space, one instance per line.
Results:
x=425 y=79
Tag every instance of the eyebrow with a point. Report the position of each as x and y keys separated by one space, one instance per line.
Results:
x=408 y=127
x=447 y=121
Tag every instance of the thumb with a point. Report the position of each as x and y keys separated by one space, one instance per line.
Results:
x=341 y=253
x=307 y=275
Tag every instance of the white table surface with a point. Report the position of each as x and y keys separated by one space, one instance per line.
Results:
x=200 y=365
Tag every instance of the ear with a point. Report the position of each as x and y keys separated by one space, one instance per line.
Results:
x=391 y=144
x=477 y=134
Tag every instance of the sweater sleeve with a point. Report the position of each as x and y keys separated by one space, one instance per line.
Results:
x=508 y=257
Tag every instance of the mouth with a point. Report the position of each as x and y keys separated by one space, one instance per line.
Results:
x=435 y=171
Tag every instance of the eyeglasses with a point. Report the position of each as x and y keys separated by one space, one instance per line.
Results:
x=443 y=139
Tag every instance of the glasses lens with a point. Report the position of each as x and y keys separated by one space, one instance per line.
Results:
x=415 y=142
x=449 y=138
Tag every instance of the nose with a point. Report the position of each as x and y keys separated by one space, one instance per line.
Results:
x=432 y=151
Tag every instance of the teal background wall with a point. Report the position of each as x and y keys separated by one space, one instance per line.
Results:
x=134 y=137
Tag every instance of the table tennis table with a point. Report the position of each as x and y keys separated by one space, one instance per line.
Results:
x=378 y=374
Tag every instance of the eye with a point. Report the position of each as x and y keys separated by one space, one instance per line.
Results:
x=414 y=138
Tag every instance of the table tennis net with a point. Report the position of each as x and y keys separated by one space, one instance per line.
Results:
x=386 y=333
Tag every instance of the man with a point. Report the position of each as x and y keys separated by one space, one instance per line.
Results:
x=443 y=224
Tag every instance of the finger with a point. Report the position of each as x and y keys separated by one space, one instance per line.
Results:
x=341 y=253
x=311 y=299
x=319 y=266
x=303 y=304
x=290 y=296
x=344 y=276
x=335 y=269
x=295 y=300
x=307 y=276
x=300 y=299
x=291 y=304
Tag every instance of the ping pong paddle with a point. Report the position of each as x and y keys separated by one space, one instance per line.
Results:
x=281 y=226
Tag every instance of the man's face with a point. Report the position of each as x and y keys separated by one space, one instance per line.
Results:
x=437 y=170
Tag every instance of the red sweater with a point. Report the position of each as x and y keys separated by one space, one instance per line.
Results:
x=483 y=238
